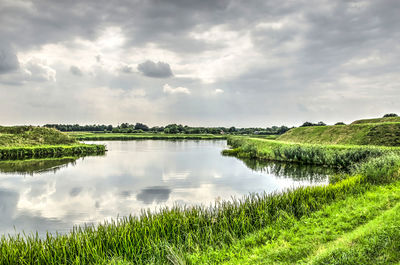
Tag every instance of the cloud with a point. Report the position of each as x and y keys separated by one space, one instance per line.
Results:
x=75 y=70
x=157 y=70
x=37 y=70
x=8 y=60
x=127 y=69
x=256 y=52
x=33 y=70
x=175 y=90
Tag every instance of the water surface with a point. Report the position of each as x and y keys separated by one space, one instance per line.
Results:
x=56 y=194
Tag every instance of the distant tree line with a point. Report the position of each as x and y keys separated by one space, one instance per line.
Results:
x=390 y=115
x=170 y=128
x=307 y=124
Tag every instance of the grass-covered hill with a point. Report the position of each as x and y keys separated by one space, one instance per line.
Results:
x=19 y=136
x=358 y=133
x=24 y=142
x=377 y=120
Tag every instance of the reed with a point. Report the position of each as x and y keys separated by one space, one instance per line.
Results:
x=340 y=156
x=44 y=151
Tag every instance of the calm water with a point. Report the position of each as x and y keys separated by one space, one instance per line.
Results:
x=55 y=194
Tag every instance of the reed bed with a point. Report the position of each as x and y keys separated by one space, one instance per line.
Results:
x=340 y=156
x=42 y=151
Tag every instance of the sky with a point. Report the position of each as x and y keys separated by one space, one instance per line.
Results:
x=201 y=63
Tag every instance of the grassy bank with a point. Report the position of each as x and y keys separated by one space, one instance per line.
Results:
x=377 y=120
x=361 y=229
x=42 y=151
x=382 y=134
x=142 y=136
x=340 y=156
x=20 y=136
x=183 y=234
x=23 y=142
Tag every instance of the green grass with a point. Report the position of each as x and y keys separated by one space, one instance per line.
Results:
x=179 y=234
x=382 y=134
x=20 y=136
x=23 y=142
x=142 y=136
x=43 y=151
x=361 y=229
x=377 y=120
x=341 y=156
x=304 y=225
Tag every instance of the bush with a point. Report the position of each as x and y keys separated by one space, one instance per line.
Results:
x=390 y=115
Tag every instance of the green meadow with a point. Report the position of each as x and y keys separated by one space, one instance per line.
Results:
x=24 y=142
x=386 y=133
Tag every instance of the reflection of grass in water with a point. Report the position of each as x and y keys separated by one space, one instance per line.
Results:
x=290 y=170
x=36 y=166
x=169 y=235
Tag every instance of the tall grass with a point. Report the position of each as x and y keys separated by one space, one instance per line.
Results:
x=340 y=156
x=20 y=136
x=42 y=151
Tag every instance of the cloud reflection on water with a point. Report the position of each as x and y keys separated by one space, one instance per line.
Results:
x=134 y=175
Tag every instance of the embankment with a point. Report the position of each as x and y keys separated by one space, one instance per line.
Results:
x=23 y=142
x=382 y=134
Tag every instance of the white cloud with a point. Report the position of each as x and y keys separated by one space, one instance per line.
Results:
x=175 y=90
x=39 y=71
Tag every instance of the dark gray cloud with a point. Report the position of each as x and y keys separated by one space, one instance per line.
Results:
x=152 y=69
x=8 y=59
x=75 y=70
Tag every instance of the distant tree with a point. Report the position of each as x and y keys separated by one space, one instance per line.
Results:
x=141 y=126
x=308 y=124
x=390 y=115
x=340 y=123
x=124 y=125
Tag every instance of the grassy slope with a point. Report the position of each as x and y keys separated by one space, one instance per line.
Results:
x=377 y=120
x=386 y=134
x=19 y=142
x=361 y=229
x=341 y=156
x=19 y=136
x=141 y=136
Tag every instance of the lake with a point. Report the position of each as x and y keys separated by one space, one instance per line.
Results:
x=56 y=194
